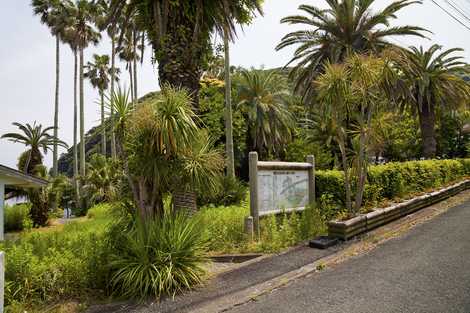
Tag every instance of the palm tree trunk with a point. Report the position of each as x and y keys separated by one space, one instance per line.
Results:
x=75 y=128
x=362 y=162
x=427 y=122
x=347 y=180
x=56 y=107
x=131 y=82
x=82 y=118
x=113 y=78
x=103 y=128
x=135 y=67
x=230 y=163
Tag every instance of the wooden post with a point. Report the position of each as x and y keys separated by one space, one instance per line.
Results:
x=2 y=279
x=253 y=167
x=2 y=254
x=249 y=227
x=311 y=180
x=2 y=209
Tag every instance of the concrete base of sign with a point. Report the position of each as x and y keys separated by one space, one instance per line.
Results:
x=323 y=242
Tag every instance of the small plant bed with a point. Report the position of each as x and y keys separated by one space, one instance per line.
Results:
x=346 y=229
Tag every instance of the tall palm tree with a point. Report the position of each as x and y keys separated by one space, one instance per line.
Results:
x=52 y=15
x=261 y=97
x=345 y=26
x=35 y=138
x=230 y=161
x=127 y=51
x=110 y=23
x=82 y=33
x=98 y=72
x=432 y=80
x=180 y=30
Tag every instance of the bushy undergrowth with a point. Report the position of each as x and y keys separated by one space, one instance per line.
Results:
x=231 y=192
x=393 y=180
x=17 y=217
x=224 y=229
x=53 y=265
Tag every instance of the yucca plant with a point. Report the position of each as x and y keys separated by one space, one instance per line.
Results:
x=159 y=257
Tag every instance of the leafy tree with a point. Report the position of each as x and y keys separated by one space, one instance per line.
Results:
x=98 y=72
x=431 y=81
x=35 y=138
x=102 y=180
x=333 y=33
x=180 y=31
x=358 y=86
x=261 y=99
x=53 y=15
x=161 y=145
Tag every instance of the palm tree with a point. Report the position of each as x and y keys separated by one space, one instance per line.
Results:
x=261 y=97
x=52 y=15
x=98 y=72
x=432 y=82
x=82 y=33
x=127 y=51
x=345 y=26
x=230 y=163
x=35 y=138
x=180 y=30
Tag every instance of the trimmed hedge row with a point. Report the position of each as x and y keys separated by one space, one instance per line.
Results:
x=394 y=179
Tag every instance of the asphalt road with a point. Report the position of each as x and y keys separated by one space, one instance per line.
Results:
x=426 y=270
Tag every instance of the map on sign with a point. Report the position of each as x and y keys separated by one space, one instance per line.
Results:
x=282 y=190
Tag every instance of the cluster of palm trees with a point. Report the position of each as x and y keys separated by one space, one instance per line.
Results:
x=429 y=79
x=179 y=33
x=78 y=24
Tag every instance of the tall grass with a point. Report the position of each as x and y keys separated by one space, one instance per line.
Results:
x=49 y=266
x=17 y=217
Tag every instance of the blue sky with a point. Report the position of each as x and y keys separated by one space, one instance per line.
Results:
x=27 y=60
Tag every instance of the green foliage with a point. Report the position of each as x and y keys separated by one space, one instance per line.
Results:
x=50 y=266
x=390 y=181
x=162 y=256
x=224 y=227
x=231 y=191
x=17 y=217
x=102 y=180
x=285 y=230
x=330 y=34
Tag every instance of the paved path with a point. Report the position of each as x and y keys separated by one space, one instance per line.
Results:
x=226 y=284
x=425 y=271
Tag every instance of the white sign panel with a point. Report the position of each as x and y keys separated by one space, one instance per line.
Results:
x=282 y=190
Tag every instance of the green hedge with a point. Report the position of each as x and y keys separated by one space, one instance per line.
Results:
x=395 y=179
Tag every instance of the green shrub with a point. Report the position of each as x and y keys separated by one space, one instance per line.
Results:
x=288 y=229
x=162 y=256
x=231 y=192
x=49 y=266
x=390 y=181
x=17 y=217
x=224 y=227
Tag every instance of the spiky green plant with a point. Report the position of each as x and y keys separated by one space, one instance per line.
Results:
x=159 y=257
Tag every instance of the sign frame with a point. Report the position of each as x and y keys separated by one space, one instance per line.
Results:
x=255 y=166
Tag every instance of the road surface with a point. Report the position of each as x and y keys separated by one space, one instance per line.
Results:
x=426 y=270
